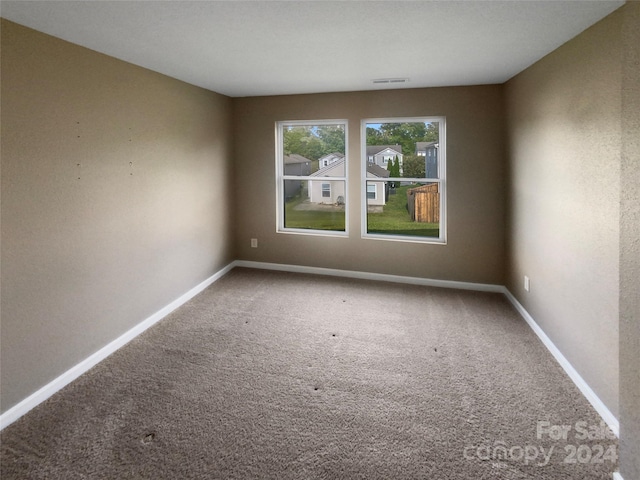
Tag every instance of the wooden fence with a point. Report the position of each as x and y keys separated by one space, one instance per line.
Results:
x=423 y=203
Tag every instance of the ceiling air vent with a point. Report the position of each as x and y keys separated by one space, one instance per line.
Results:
x=382 y=81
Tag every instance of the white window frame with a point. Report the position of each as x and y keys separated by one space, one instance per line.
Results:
x=281 y=177
x=328 y=190
x=442 y=180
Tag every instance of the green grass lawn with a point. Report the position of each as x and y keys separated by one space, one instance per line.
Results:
x=310 y=219
x=395 y=220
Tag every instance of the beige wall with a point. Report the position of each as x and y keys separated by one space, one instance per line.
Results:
x=115 y=201
x=630 y=247
x=475 y=161
x=564 y=193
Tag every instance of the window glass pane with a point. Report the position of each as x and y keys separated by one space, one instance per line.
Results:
x=314 y=152
x=404 y=180
x=316 y=205
x=309 y=148
x=404 y=149
x=410 y=209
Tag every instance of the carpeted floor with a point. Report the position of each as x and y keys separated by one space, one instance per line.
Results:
x=288 y=376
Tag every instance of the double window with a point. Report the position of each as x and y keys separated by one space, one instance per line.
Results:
x=402 y=187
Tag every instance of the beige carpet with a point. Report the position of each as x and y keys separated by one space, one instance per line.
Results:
x=288 y=376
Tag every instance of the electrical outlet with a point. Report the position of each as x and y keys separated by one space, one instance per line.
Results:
x=527 y=283
x=254 y=243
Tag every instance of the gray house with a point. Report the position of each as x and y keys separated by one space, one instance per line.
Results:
x=381 y=154
x=429 y=150
x=295 y=164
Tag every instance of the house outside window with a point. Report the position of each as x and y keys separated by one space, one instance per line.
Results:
x=413 y=208
x=381 y=154
x=295 y=165
x=311 y=175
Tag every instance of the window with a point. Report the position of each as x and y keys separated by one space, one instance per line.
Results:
x=404 y=199
x=311 y=200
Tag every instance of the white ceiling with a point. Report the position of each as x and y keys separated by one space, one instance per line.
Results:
x=246 y=48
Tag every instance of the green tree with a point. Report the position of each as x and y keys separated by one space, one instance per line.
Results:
x=404 y=134
x=302 y=140
x=313 y=142
x=332 y=138
x=413 y=166
x=293 y=139
x=391 y=171
x=393 y=166
x=396 y=167
x=374 y=136
x=432 y=132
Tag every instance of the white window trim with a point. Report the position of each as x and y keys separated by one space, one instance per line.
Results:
x=322 y=190
x=280 y=177
x=442 y=180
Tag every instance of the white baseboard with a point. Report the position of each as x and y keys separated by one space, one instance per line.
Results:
x=582 y=385
x=617 y=476
x=70 y=375
x=381 y=277
x=45 y=392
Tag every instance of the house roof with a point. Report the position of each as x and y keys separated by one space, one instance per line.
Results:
x=378 y=171
x=423 y=145
x=375 y=149
x=323 y=171
x=295 y=158
x=374 y=170
x=334 y=154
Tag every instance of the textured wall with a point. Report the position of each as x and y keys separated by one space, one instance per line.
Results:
x=475 y=176
x=564 y=192
x=630 y=247
x=115 y=201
